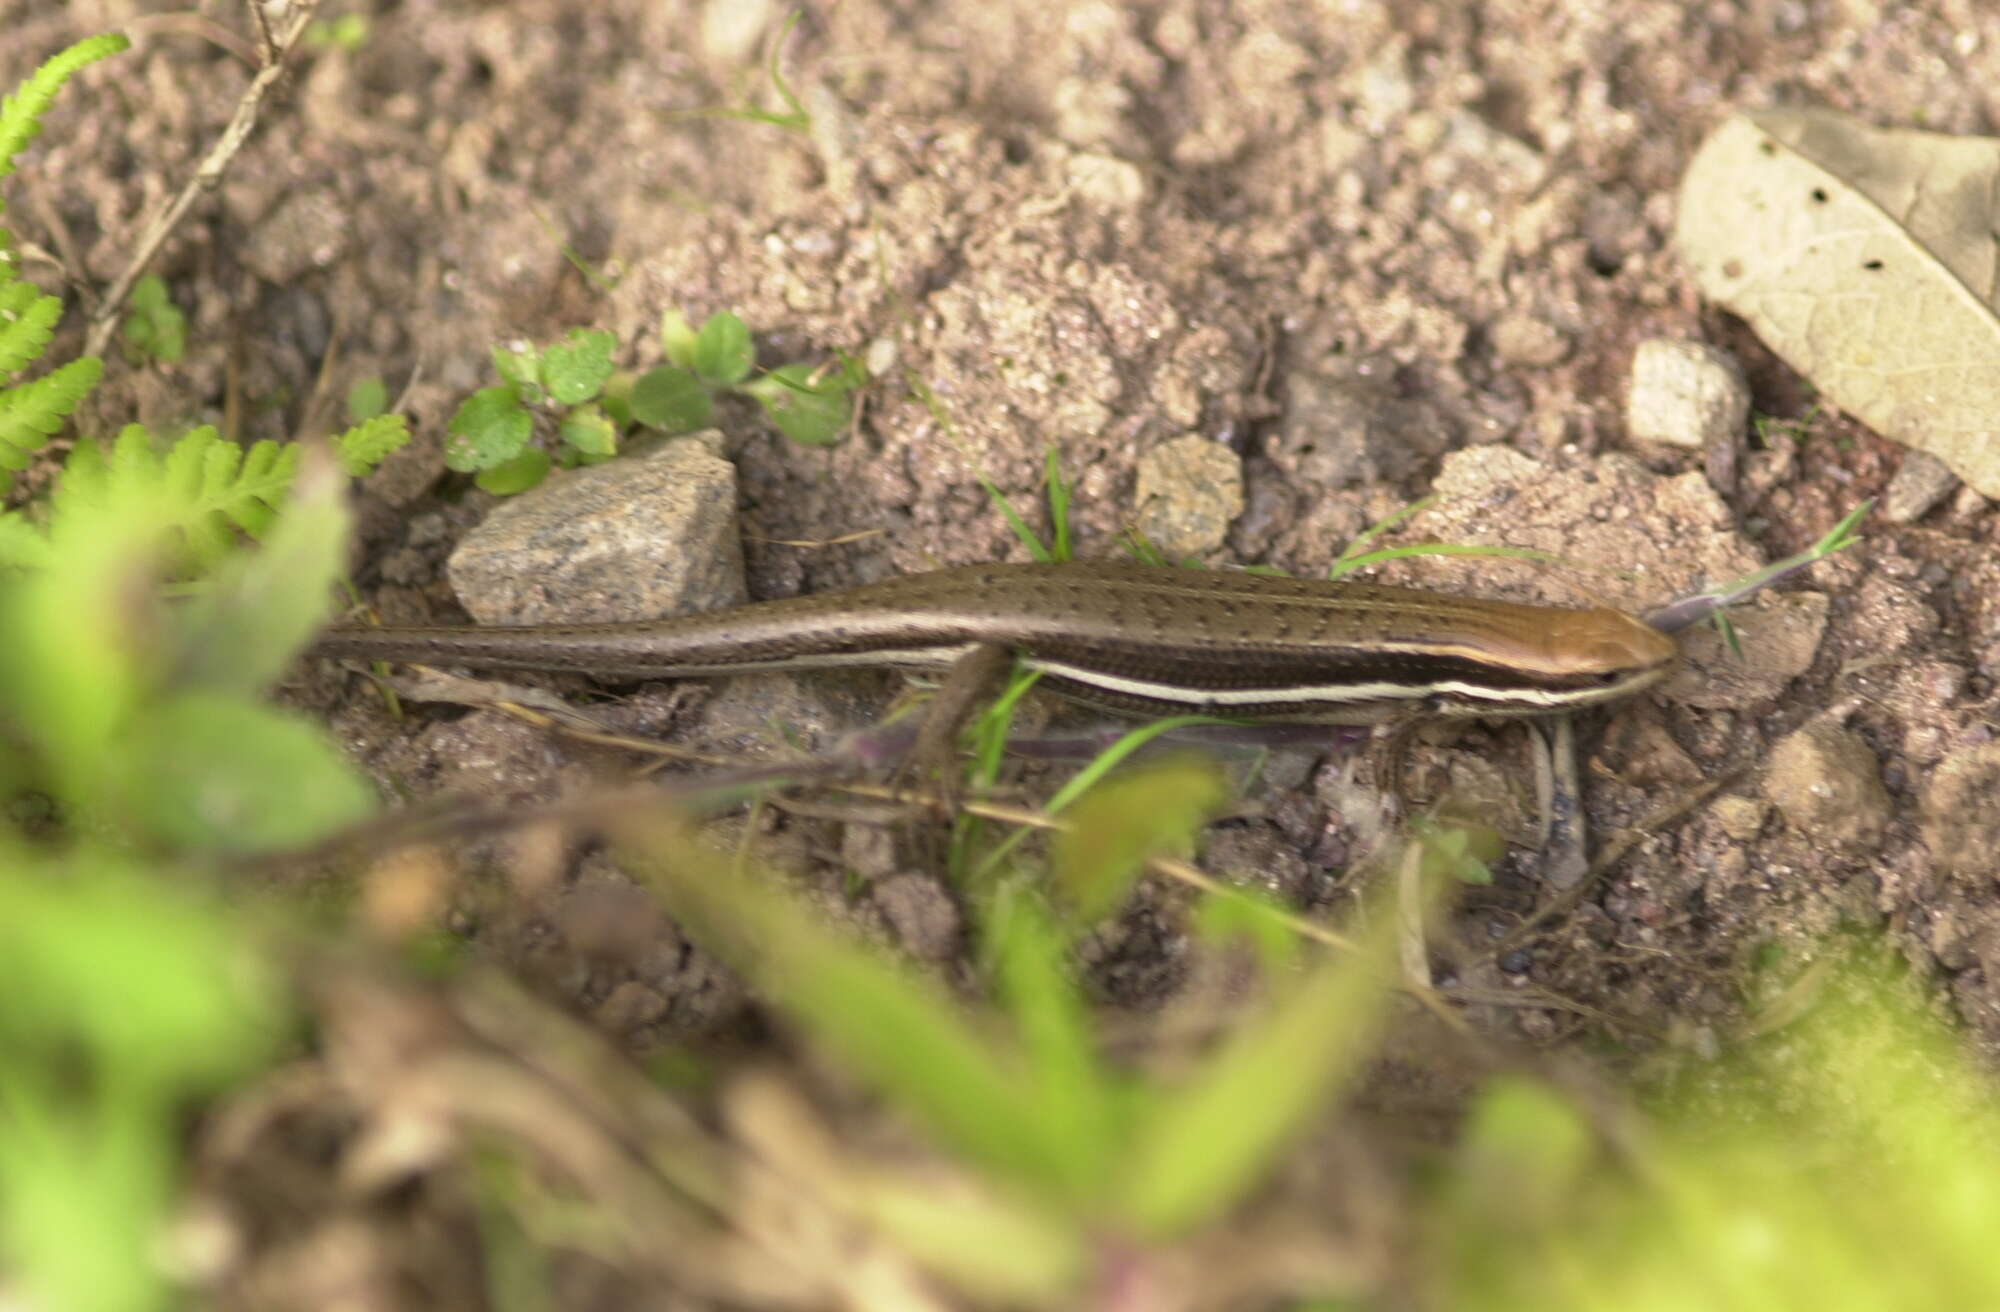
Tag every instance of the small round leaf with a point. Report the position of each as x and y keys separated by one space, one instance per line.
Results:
x=810 y=413
x=522 y=368
x=575 y=371
x=671 y=400
x=489 y=429
x=517 y=475
x=722 y=349
x=590 y=431
x=677 y=339
x=367 y=398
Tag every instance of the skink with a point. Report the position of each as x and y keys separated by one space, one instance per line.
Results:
x=1128 y=637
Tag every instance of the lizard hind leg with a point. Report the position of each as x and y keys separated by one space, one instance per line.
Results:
x=932 y=759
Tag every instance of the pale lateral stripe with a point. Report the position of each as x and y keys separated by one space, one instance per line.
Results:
x=907 y=657
x=1332 y=693
x=1328 y=693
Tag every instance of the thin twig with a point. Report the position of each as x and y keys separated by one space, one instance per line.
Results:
x=105 y=321
x=269 y=49
x=195 y=25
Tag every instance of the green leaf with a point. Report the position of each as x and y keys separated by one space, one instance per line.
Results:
x=1088 y=778
x=677 y=339
x=723 y=353
x=524 y=471
x=242 y=633
x=1005 y=1252
x=366 y=399
x=588 y=429
x=1521 y=1155
x=1123 y=821
x=205 y=487
x=576 y=370
x=211 y=772
x=366 y=445
x=1351 y=556
x=671 y=400
x=1197 y=1151
x=810 y=413
x=988 y=739
x=1059 y=497
x=129 y=967
x=898 y=1030
x=71 y=635
x=22 y=544
x=489 y=429
x=27 y=322
x=20 y=113
x=154 y=327
x=33 y=412
x=1026 y=536
x=255 y=486
x=1458 y=848
x=1144 y=550
x=1249 y=915
x=127 y=1002
x=1075 y=1092
x=617 y=399
x=347 y=33
x=522 y=369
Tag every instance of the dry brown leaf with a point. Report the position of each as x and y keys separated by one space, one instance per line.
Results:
x=1869 y=260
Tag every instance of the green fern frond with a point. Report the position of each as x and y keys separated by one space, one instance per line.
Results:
x=34 y=412
x=135 y=457
x=21 y=113
x=261 y=485
x=206 y=488
x=22 y=545
x=370 y=442
x=87 y=485
x=27 y=321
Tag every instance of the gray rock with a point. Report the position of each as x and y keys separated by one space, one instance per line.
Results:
x=922 y=915
x=1921 y=481
x=1190 y=489
x=633 y=539
x=1961 y=810
x=1828 y=784
x=1686 y=393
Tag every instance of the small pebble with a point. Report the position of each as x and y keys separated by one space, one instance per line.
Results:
x=1686 y=393
x=1190 y=489
x=1920 y=482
